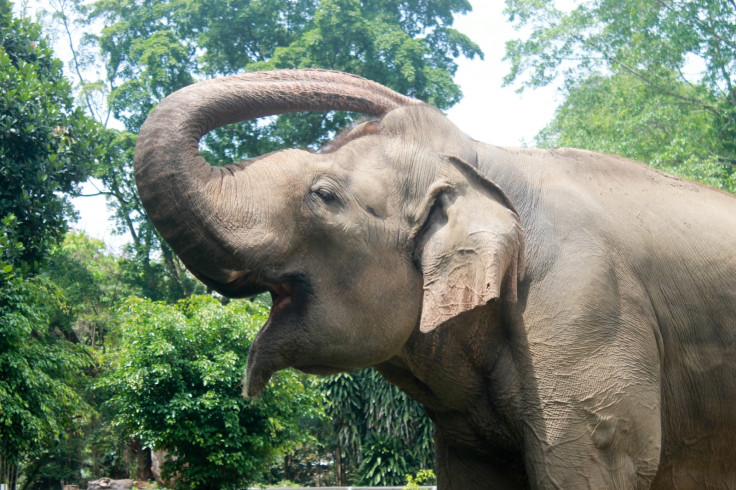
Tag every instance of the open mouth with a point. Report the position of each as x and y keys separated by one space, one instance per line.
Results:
x=274 y=347
x=289 y=293
x=278 y=344
x=285 y=290
x=282 y=296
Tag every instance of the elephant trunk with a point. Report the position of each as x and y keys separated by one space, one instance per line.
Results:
x=198 y=208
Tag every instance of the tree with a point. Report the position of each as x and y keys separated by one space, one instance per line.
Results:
x=620 y=114
x=92 y=281
x=175 y=382
x=87 y=284
x=375 y=423
x=407 y=45
x=39 y=372
x=680 y=53
x=47 y=146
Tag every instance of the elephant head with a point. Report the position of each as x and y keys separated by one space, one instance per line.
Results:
x=387 y=231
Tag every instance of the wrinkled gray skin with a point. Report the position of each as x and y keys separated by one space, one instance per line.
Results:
x=568 y=319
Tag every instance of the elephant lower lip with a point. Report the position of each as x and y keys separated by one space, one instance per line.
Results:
x=320 y=370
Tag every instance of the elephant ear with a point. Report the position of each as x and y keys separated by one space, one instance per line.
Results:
x=469 y=245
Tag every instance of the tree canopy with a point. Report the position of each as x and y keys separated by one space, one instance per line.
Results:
x=622 y=115
x=47 y=145
x=40 y=364
x=152 y=49
x=652 y=80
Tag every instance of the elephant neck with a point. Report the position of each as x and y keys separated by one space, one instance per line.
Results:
x=458 y=371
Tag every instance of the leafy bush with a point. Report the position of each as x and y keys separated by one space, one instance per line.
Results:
x=384 y=462
x=423 y=477
x=379 y=427
x=175 y=382
x=39 y=404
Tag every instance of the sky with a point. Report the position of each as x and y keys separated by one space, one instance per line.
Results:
x=488 y=111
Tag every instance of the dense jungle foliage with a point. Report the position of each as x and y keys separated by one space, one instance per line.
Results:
x=104 y=357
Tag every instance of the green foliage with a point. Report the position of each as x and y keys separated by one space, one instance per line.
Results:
x=636 y=35
x=376 y=424
x=175 y=382
x=423 y=477
x=11 y=249
x=91 y=282
x=46 y=148
x=46 y=145
x=660 y=70
x=407 y=45
x=39 y=370
x=384 y=462
x=620 y=114
x=88 y=280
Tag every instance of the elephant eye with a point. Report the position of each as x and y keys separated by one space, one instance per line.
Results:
x=325 y=195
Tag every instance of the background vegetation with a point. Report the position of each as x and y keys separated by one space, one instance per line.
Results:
x=104 y=357
x=653 y=80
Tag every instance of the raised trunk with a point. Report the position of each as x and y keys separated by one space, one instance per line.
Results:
x=190 y=201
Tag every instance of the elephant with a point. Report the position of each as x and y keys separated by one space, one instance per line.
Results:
x=566 y=318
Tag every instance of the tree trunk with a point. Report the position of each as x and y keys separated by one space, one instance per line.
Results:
x=139 y=459
x=338 y=462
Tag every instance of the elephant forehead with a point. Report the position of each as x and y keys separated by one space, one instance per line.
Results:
x=387 y=173
x=366 y=173
x=374 y=189
x=285 y=170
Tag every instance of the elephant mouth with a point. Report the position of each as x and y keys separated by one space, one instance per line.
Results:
x=283 y=290
x=290 y=295
x=273 y=348
x=282 y=296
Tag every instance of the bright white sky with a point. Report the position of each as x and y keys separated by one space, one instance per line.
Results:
x=488 y=112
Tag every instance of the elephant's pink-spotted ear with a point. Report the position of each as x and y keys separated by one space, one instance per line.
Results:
x=469 y=246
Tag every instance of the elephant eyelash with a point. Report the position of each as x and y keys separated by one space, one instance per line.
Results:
x=325 y=195
x=372 y=212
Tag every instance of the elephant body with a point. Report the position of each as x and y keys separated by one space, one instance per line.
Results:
x=615 y=368
x=568 y=319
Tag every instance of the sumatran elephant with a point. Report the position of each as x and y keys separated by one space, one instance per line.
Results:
x=567 y=319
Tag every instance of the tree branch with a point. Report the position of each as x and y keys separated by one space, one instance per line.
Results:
x=683 y=77
x=101 y=193
x=75 y=58
x=666 y=91
x=637 y=73
x=729 y=86
x=709 y=29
